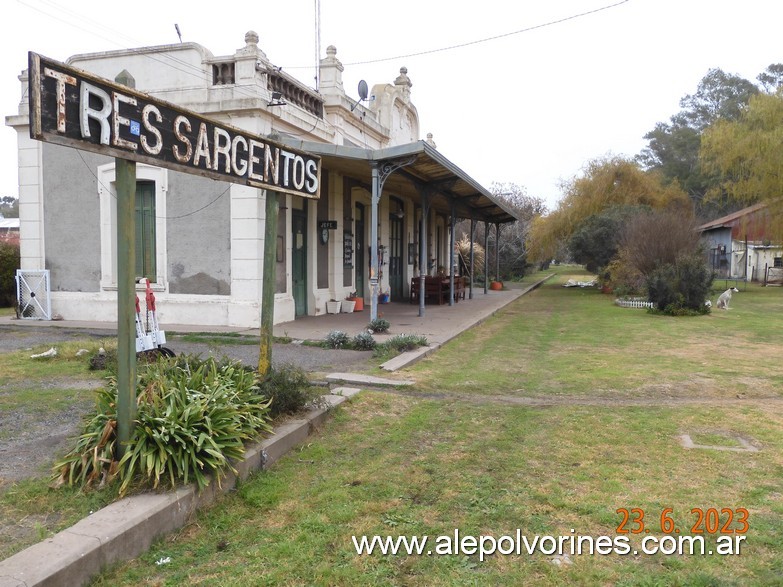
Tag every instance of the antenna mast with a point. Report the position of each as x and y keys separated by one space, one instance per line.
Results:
x=317 y=45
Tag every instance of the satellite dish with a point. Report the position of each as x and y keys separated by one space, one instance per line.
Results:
x=363 y=91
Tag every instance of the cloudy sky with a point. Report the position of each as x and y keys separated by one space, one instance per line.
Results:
x=523 y=92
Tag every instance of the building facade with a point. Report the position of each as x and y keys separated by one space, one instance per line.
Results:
x=200 y=241
x=740 y=246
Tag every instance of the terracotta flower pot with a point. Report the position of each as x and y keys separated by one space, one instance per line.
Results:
x=496 y=285
x=359 y=304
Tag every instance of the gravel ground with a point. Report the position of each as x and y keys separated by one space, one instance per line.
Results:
x=29 y=442
x=311 y=359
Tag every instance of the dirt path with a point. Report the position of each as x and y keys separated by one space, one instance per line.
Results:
x=564 y=400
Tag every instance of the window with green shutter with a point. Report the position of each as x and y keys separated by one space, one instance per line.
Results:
x=145 y=230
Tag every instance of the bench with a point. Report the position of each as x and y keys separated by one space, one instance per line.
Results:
x=437 y=288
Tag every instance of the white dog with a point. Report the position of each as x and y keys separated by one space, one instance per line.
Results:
x=725 y=297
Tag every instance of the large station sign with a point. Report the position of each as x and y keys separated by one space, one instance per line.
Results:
x=72 y=107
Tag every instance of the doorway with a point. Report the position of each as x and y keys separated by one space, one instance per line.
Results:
x=299 y=262
x=359 y=243
x=396 y=245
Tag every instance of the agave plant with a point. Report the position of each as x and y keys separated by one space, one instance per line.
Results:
x=193 y=418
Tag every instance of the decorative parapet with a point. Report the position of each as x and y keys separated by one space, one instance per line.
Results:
x=294 y=93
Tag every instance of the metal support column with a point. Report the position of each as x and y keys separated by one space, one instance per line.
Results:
x=497 y=251
x=486 y=256
x=377 y=187
x=423 y=261
x=472 y=256
x=451 y=251
x=381 y=170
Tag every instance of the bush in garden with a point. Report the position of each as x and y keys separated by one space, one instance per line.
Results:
x=681 y=288
x=399 y=344
x=336 y=339
x=622 y=278
x=379 y=325
x=193 y=417
x=289 y=390
x=363 y=342
x=9 y=263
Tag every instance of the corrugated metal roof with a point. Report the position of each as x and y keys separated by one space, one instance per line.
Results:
x=428 y=169
x=731 y=219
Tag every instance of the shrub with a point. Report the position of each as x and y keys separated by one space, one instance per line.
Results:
x=363 y=342
x=336 y=339
x=289 y=390
x=400 y=344
x=622 y=278
x=596 y=240
x=379 y=325
x=681 y=288
x=192 y=419
x=651 y=240
x=9 y=263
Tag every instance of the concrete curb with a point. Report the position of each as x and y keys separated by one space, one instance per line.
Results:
x=126 y=528
x=366 y=380
x=405 y=359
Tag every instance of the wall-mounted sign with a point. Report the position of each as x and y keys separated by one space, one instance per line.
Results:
x=347 y=249
x=71 y=107
x=328 y=224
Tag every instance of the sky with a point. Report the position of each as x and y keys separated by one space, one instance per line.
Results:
x=530 y=107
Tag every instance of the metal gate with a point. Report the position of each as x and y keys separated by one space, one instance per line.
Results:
x=32 y=291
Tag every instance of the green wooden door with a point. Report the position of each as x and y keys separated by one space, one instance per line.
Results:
x=145 y=230
x=359 y=252
x=395 y=257
x=299 y=262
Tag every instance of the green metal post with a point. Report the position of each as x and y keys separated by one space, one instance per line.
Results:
x=125 y=182
x=268 y=286
x=126 y=300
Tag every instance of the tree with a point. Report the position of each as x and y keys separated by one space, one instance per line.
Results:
x=747 y=154
x=605 y=183
x=9 y=207
x=719 y=96
x=772 y=78
x=513 y=235
x=673 y=147
x=596 y=242
x=673 y=150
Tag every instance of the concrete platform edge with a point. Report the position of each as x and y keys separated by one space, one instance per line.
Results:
x=126 y=528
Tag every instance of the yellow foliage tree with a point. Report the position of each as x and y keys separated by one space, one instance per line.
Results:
x=605 y=183
x=747 y=155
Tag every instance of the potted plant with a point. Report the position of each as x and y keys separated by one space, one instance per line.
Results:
x=358 y=301
x=496 y=285
x=333 y=307
x=348 y=306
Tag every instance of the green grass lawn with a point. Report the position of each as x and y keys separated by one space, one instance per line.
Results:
x=573 y=341
x=404 y=465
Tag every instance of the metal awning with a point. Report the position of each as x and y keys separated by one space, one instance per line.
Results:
x=427 y=168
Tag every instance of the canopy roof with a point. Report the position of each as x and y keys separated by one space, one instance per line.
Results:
x=425 y=169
